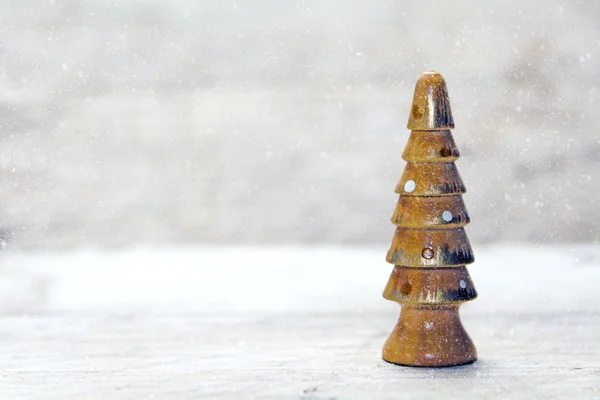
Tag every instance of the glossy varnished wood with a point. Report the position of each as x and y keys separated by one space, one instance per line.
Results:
x=429 y=336
x=428 y=212
x=430 y=247
x=431 y=146
x=445 y=247
x=431 y=179
x=430 y=286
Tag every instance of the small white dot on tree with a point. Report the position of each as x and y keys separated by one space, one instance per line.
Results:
x=463 y=284
x=447 y=216
x=410 y=186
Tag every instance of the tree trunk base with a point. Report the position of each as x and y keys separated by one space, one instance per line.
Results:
x=429 y=336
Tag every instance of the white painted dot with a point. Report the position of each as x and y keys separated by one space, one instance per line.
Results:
x=410 y=186
x=447 y=216
x=463 y=284
x=429 y=325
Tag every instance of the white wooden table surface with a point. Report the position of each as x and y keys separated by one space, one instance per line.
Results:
x=286 y=323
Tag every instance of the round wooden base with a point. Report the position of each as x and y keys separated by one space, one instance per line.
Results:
x=429 y=336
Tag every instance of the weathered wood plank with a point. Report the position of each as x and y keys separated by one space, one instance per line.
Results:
x=324 y=344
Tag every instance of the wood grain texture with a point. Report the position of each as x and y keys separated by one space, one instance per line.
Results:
x=177 y=331
x=301 y=356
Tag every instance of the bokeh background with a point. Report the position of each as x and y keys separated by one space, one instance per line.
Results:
x=266 y=122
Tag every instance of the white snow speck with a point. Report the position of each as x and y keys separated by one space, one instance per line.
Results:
x=429 y=325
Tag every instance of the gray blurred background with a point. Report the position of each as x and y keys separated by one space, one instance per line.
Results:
x=268 y=122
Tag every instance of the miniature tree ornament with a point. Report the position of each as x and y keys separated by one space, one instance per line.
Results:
x=430 y=247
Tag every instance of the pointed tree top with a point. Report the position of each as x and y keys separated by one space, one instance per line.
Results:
x=431 y=105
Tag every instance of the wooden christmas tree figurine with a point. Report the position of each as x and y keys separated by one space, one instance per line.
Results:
x=430 y=248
